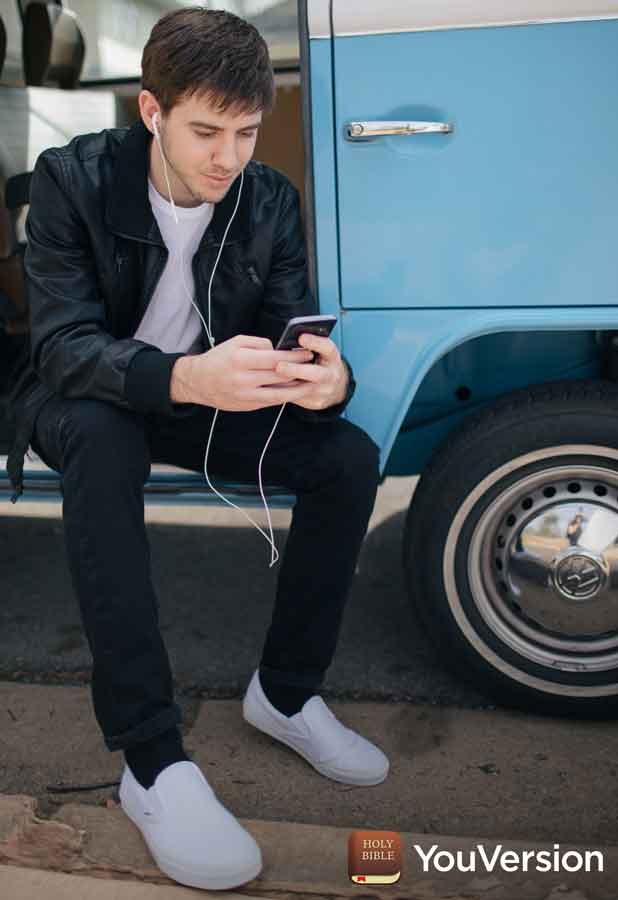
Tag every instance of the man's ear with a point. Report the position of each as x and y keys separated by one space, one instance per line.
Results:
x=148 y=108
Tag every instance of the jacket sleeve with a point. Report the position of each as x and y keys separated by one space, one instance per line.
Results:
x=287 y=294
x=70 y=348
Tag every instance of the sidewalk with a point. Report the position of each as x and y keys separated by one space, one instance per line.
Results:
x=485 y=775
x=26 y=884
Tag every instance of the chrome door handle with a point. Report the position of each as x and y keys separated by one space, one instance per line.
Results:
x=359 y=131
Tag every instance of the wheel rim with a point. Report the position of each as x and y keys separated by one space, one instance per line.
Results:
x=542 y=592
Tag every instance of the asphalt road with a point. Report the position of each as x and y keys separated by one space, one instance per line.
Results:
x=214 y=612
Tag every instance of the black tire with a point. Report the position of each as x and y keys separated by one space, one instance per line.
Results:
x=485 y=550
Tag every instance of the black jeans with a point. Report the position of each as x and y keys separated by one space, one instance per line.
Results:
x=103 y=454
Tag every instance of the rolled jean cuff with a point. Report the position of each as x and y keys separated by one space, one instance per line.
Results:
x=163 y=721
x=296 y=679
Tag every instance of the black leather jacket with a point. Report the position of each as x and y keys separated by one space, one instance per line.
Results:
x=93 y=259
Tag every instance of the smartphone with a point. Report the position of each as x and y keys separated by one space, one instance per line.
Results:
x=320 y=325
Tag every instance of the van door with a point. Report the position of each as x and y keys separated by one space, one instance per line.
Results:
x=518 y=204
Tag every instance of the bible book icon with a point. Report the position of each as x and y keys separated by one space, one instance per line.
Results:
x=374 y=857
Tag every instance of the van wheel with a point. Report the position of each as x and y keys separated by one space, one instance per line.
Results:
x=510 y=550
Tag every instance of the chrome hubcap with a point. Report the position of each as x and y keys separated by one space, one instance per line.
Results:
x=543 y=559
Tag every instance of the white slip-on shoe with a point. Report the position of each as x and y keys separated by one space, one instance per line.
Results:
x=318 y=736
x=192 y=837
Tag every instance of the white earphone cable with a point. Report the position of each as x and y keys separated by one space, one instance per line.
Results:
x=211 y=339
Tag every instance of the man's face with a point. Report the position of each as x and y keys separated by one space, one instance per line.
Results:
x=205 y=149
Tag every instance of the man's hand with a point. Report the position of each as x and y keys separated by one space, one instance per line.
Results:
x=326 y=380
x=237 y=375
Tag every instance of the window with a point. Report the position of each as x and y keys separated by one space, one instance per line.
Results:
x=116 y=31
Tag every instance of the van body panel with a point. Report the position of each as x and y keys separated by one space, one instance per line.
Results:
x=475 y=374
x=518 y=206
x=318 y=17
x=368 y=17
x=392 y=355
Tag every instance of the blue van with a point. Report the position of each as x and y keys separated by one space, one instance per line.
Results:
x=457 y=164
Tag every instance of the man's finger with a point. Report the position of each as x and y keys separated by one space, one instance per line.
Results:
x=283 y=394
x=304 y=371
x=326 y=347
x=267 y=377
x=252 y=340
x=268 y=359
x=284 y=384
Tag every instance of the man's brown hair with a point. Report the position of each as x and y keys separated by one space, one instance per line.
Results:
x=210 y=52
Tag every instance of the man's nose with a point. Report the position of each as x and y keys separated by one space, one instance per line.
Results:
x=226 y=156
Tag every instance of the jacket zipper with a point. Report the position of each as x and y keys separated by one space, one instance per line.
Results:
x=253 y=275
x=157 y=272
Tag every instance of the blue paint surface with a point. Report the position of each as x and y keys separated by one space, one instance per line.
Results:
x=519 y=205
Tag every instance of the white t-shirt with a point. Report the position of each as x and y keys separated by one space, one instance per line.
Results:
x=170 y=322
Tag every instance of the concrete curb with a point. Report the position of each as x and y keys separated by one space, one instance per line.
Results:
x=307 y=861
x=24 y=884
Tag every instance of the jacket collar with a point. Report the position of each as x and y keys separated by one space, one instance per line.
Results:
x=128 y=209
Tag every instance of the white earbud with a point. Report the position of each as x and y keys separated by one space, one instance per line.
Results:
x=155 y=126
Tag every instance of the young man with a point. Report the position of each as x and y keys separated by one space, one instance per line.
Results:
x=121 y=374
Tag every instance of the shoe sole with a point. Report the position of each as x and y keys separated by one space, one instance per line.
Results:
x=180 y=874
x=361 y=782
